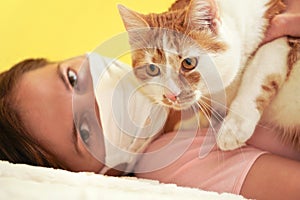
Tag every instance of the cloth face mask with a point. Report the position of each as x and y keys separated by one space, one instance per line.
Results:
x=114 y=119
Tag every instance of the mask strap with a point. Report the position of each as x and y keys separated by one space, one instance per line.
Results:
x=104 y=170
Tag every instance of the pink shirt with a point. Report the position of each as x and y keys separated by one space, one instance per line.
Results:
x=219 y=171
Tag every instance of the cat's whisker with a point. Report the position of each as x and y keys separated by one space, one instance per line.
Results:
x=214 y=113
x=227 y=108
x=219 y=117
x=196 y=110
x=215 y=117
x=214 y=101
x=214 y=131
x=204 y=104
x=203 y=109
x=236 y=113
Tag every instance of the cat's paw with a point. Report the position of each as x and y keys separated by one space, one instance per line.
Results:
x=234 y=132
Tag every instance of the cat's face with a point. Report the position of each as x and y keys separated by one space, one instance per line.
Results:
x=169 y=64
x=169 y=55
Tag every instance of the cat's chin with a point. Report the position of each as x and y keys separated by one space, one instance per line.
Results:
x=182 y=107
x=178 y=106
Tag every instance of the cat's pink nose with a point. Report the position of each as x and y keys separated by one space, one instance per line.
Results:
x=171 y=96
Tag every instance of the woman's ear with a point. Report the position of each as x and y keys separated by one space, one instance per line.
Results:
x=203 y=14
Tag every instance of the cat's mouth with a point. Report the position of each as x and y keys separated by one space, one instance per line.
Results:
x=180 y=102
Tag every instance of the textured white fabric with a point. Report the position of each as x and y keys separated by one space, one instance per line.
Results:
x=24 y=182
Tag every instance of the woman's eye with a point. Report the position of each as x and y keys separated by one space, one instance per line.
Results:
x=85 y=135
x=72 y=77
x=152 y=70
x=189 y=64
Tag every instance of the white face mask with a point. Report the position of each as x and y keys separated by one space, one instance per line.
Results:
x=128 y=118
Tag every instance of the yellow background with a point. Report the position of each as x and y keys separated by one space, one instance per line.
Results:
x=59 y=29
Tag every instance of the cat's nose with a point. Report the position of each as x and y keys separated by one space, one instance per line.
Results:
x=171 y=96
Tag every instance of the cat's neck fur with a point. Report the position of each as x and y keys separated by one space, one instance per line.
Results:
x=246 y=20
x=242 y=28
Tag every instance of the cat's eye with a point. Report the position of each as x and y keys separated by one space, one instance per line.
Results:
x=72 y=77
x=152 y=70
x=189 y=64
x=84 y=133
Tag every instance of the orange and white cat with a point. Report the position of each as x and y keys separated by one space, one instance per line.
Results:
x=176 y=53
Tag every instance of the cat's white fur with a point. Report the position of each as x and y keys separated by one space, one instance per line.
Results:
x=242 y=27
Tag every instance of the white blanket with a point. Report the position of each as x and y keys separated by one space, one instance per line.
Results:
x=19 y=181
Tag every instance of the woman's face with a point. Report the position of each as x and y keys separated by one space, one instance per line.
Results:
x=44 y=98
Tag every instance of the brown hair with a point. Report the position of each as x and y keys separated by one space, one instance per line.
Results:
x=16 y=145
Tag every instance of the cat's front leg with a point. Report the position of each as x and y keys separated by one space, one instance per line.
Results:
x=238 y=126
x=261 y=80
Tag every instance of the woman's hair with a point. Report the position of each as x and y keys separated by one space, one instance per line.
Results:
x=16 y=145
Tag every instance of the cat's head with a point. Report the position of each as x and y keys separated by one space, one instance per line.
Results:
x=170 y=49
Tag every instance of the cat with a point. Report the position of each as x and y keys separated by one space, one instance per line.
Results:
x=171 y=52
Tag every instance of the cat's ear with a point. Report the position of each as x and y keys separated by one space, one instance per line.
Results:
x=132 y=20
x=202 y=14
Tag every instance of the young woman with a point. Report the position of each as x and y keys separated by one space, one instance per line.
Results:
x=36 y=128
x=36 y=123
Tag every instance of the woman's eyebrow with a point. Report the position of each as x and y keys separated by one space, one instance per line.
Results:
x=61 y=76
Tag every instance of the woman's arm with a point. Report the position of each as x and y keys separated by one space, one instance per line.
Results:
x=272 y=177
